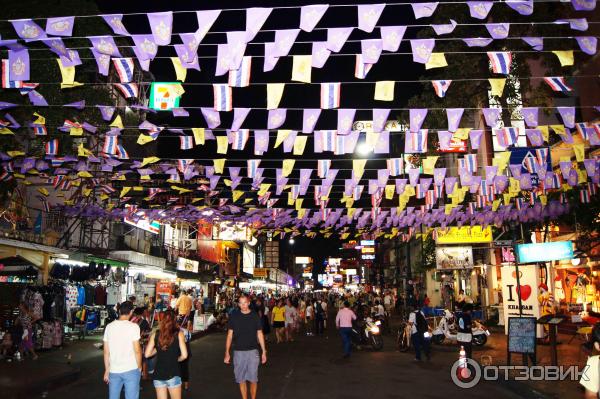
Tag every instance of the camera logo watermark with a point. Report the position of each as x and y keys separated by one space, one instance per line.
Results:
x=466 y=373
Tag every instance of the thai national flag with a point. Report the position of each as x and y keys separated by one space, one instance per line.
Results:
x=52 y=147
x=584 y=196
x=330 y=95
x=318 y=190
x=532 y=197
x=582 y=129
x=6 y=82
x=121 y=152
x=222 y=97
x=241 y=76
x=557 y=83
x=182 y=164
x=56 y=162
x=417 y=141
x=329 y=140
x=430 y=197
x=252 y=167
x=5 y=176
x=340 y=146
x=556 y=180
x=471 y=163
x=240 y=138
x=40 y=130
x=107 y=188
x=507 y=136
x=361 y=69
x=500 y=61
x=395 y=166
x=26 y=87
x=357 y=192
x=124 y=67
x=592 y=188
x=186 y=142
x=57 y=180
x=111 y=144
x=323 y=166
x=542 y=156
x=530 y=163
x=438 y=191
x=481 y=201
x=128 y=90
x=491 y=193
x=441 y=87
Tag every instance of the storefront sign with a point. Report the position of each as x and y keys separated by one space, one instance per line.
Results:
x=231 y=232
x=544 y=252
x=248 y=259
x=260 y=273
x=451 y=258
x=188 y=265
x=368 y=250
x=528 y=291
x=456 y=145
x=463 y=235
x=335 y=261
x=303 y=260
x=368 y=257
x=163 y=290
x=165 y=96
x=367 y=243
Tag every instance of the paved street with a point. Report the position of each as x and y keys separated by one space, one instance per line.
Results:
x=310 y=367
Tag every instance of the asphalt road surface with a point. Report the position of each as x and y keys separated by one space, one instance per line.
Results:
x=310 y=367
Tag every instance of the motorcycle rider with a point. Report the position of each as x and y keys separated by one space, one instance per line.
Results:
x=465 y=330
x=418 y=329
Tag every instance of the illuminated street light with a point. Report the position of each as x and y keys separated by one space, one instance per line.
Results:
x=292 y=241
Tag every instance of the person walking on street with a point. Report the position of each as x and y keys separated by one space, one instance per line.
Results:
x=184 y=308
x=245 y=333
x=465 y=330
x=309 y=317
x=419 y=328
x=123 y=355
x=25 y=319
x=291 y=318
x=343 y=321
x=168 y=345
x=278 y=320
x=319 y=317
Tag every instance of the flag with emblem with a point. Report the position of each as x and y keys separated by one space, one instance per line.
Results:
x=222 y=97
x=441 y=87
x=124 y=67
x=500 y=61
x=330 y=95
x=6 y=82
x=128 y=90
x=557 y=83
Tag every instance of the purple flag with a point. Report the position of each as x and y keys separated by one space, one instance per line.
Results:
x=270 y=58
x=444 y=138
x=57 y=46
x=478 y=41
x=161 y=24
x=368 y=15
x=179 y=112
x=236 y=46
x=115 y=21
x=491 y=115
x=304 y=180
x=401 y=185
x=224 y=59
x=311 y=15
x=345 y=120
x=565 y=168
x=421 y=49
x=90 y=128
x=288 y=143
x=189 y=60
x=522 y=7
x=438 y=176
x=382 y=146
x=371 y=50
x=309 y=119
x=583 y=5
x=190 y=43
x=444 y=29
x=535 y=137
x=276 y=118
x=498 y=31
x=500 y=183
x=525 y=181
x=105 y=45
x=261 y=142
x=490 y=174
x=450 y=182
x=530 y=116
x=515 y=170
x=423 y=10
x=284 y=40
x=380 y=116
x=351 y=140
x=413 y=176
x=239 y=115
x=28 y=30
x=106 y=111
x=103 y=62
x=60 y=26
x=77 y=105
x=37 y=99
x=568 y=116
x=417 y=116
x=212 y=117
x=567 y=138
x=475 y=138
x=206 y=19
x=480 y=9
x=573 y=178
x=591 y=166
x=320 y=54
x=391 y=37
x=454 y=115
x=537 y=43
x=255 y=19
x=145 y=46
x=336 y=37
x=587 y=44
x=18 y=64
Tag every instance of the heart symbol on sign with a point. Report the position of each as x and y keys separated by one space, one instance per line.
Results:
x=524 y=291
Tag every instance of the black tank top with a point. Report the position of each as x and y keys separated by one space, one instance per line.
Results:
x=167 y=365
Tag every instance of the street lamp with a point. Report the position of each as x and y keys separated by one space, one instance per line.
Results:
x=291 y=241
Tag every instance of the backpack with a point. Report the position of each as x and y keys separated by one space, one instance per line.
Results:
x=318 y=308
x=421 y=323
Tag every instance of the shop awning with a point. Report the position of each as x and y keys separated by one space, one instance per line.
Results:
x=139 y=258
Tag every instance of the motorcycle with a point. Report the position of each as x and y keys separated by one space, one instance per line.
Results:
x=367 y=333
x=447 y=329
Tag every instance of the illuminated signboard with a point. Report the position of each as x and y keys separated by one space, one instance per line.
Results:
x=164 y=96
x=335 y=261
x=456 y=145
x=454 y=257
x=188 y=265
x=368 y=257
x=152 y=226
x=367 y=243
x=350 y=272
x=463 y=235
x=231 y=232
x=303 y=260
x=368 y=250
x=544 y=252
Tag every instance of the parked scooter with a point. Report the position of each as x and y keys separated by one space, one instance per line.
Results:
x=446 y=329
x=367 y=332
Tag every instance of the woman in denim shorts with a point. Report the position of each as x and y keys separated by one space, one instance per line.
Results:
x=168 y=344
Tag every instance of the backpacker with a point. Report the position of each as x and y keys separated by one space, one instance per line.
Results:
x=422 y=326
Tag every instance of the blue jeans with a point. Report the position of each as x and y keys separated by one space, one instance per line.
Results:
x=129 y=379
x=346 y=333
x=420 y=342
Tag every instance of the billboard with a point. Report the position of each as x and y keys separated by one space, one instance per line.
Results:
x=164 y=96
x=231 y=232
x=452 y=258
x=463 y=235
x=544 y=252
x=456 y=146
x=187 y=265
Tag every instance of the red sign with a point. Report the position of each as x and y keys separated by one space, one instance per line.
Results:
x=456 y=145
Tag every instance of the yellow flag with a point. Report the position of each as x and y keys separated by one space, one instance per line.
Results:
x=264 y=187
x=86 y=192
x=274 y=93
x=384 y=90
x=104 y=197
x=343 y=236
x=358 y=167
x=514 y=186
x=565 y=57
x=219 y=164
x=117 y=122
x=497 y=86
x=501 y=160
x=545 y=132
x=138 y=188
x=144 y=139
x=84 y=173
x=227 y=182
x=461 y=133
x=301 y=213
x=149 y=160
x=145 y=177
x=288 y=166
x=409 y=190
x=82 y=151
x=76 y=131
x=351 y=212
x=579 y=150
x=181 y=190
x=299 y=203
x=180 y=71
x=495 y=205
x=43 y=191
x=222 y=144
x=301 y=68
x=582 y=176
x=437 y=60
x=198 y=135
x=429 y=164
x=67 y=73
x=543 y=199
x=507 y=198
x=176 y=89
x=282 y=134
x=390 y=189
x=4 y=130
x=290 y=200
x=124 y=191
x=40 y=120
x=448 y=209
x=559 y=129
x=299 y=145
x=15 y=153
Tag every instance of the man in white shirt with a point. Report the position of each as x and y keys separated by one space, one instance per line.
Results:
x=123 y=355
x=419 y=327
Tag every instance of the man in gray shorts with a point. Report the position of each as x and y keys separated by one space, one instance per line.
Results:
x=245 y=331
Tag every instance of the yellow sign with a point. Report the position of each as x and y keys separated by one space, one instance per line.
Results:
x=463 y=235
x=260 y=273
x=368 y=250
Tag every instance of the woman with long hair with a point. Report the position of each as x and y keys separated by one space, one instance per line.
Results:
x=168 y=344
x=278 y=320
